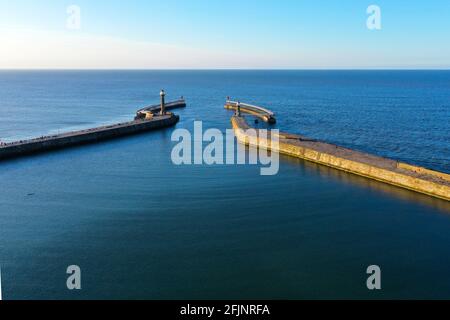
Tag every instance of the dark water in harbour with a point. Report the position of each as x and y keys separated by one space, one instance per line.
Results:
x=140 y=227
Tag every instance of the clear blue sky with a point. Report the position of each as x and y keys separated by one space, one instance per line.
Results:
x=225 y=34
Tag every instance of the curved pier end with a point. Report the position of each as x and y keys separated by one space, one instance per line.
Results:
x=155 y=109
x=425 y=181
x=260 y=112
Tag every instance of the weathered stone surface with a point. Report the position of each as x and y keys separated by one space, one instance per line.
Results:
x=433 y=183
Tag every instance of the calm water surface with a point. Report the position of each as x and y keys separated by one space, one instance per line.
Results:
x=142 y=228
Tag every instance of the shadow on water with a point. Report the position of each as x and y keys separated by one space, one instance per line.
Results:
x=360 y=181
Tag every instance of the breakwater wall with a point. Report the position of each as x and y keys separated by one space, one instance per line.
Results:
x=64 y=140
x=260 y=112
x=168 y=106
x=422 y=180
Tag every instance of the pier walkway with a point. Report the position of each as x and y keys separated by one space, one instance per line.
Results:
x=260 y=112
x=422 y=180
x=168 y=106
x=68 y=139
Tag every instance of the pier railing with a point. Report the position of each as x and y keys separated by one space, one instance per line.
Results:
x=170 y=105
x=250 y=106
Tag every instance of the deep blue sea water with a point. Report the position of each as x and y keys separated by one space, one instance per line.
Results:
x=140 y=227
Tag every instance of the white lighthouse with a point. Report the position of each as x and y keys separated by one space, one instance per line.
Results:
x=163 y=102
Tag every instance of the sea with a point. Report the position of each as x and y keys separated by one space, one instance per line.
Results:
x=140 y=227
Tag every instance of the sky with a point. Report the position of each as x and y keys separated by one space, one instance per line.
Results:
x=224 y=34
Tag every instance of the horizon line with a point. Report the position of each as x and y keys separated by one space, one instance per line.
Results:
x=230 y=69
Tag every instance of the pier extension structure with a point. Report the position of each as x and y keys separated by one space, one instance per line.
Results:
x=422 y=180
x=155 y=109
x=259 y=112
x=156 y=117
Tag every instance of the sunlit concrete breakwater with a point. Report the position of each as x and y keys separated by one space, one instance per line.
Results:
x=432 y=183
x=151 y=118
x=259 y=112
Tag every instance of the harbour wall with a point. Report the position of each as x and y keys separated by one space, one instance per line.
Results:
x=403 y=175
x=260 y=112
x=168 y=106
x=74 y=138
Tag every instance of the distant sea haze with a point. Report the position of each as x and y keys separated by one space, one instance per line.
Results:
x=140 y=227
